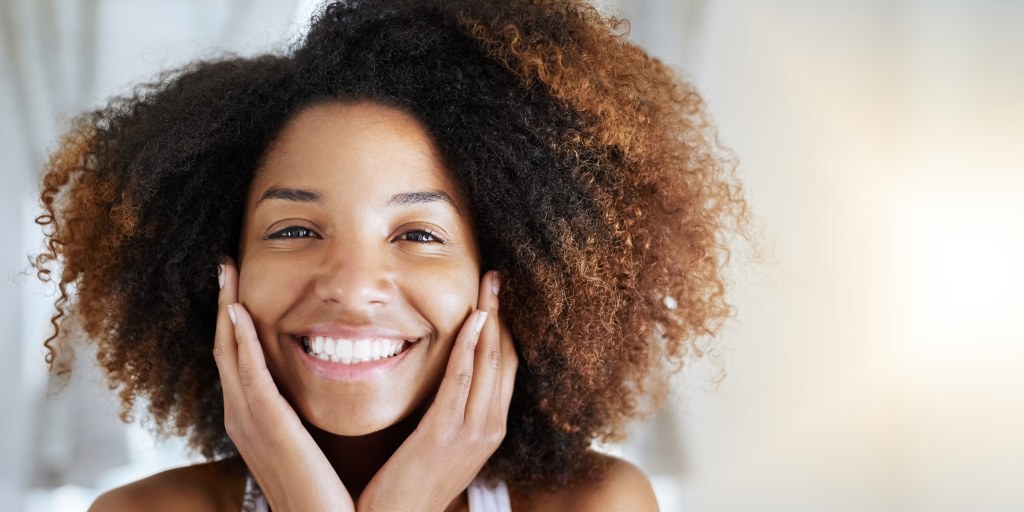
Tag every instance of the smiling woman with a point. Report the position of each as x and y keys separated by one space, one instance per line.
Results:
x=297 y=260
x=353 y=244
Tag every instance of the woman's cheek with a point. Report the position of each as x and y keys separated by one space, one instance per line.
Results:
x=452 y=296
x=257 y=291
x=248 y=288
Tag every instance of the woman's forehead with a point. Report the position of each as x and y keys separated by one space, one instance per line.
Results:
x=364 y=147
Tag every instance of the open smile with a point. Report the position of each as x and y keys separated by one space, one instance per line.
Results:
x=352 y=351
x=348 y=359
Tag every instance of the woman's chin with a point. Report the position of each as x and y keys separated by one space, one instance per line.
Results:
x=341 y=421
x=352 y=428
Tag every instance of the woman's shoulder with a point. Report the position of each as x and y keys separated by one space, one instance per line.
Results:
x=213 y=486
x=624 y=487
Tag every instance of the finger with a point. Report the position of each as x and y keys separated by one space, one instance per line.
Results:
x=488 y=356
x=458 y=376
x=261 y=393
x=225 y=350
x=510 y=363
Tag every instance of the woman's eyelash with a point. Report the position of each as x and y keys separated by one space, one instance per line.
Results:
x=293 y=232
x=417 y=235
x=422 y=236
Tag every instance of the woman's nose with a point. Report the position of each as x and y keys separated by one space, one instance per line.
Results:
x=355 y=278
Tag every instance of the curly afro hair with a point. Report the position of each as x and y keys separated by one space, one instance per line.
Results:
x=595 y=182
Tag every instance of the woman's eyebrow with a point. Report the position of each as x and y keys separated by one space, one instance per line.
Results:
x=401 y=199
x=427 y=196
x=291 y=194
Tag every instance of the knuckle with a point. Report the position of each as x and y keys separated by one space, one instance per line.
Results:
x=495 y=437
x=464 y=378
x=233 y=430
x=472 y=437
x=495 y=358
x=245 y=376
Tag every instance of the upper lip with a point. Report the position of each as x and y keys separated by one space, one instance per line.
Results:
x=354 y=332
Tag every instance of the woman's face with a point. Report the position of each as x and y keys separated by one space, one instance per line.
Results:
x=358 y=265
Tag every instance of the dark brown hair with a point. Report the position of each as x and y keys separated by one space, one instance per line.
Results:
x=596 y=186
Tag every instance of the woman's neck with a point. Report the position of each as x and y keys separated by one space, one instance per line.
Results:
x=357 y=459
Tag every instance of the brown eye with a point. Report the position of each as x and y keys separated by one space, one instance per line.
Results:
x=421 y=236
x=293 y=232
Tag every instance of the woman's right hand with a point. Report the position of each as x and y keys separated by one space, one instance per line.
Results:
x=290 y=468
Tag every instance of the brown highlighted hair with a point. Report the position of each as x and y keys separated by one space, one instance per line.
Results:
x=595 y=181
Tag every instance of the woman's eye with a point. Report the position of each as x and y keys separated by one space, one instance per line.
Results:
x=421 y=236
x=293 y=232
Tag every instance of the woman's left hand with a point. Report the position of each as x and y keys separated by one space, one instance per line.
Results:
x=464 y=425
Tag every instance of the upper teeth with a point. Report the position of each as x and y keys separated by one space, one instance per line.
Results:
x=345 y=351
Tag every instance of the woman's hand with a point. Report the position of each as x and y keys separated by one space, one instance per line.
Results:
x=464 y=425
x=289 y=467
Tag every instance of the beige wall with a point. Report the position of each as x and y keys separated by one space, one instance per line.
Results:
x=874 y=363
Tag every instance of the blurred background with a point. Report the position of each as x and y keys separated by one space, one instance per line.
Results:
x=875 y=359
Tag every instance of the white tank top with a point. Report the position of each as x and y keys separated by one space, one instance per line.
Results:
x=482 y=498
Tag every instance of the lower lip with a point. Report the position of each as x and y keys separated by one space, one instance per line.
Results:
x=350 y=372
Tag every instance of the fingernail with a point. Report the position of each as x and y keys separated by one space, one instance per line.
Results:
x=231 y=314
x=481 y=317
x=495 y=283
x=220 y=275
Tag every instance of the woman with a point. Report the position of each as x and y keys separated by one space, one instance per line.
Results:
x=383 y=188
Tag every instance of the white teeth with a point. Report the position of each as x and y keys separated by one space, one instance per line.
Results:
x=345 y=349
x=352 y=351
x=362 y=349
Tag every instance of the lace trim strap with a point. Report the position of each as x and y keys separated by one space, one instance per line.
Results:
x=253 y=501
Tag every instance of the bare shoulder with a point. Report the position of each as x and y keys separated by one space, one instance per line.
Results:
x=211 y=487
x=624 y=487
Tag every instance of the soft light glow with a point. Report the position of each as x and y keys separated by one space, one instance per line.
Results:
x=959 y=268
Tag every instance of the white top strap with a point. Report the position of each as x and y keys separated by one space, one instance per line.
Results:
x=482 y=498
x=253 y=501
